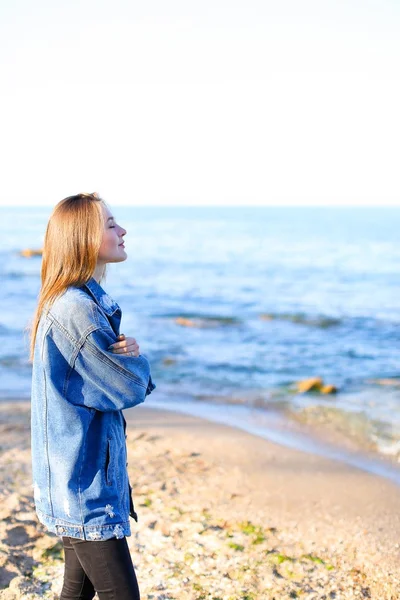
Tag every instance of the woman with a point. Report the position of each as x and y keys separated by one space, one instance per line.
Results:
x=84 y=374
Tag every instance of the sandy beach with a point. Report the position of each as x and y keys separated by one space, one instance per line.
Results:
x=223 y=515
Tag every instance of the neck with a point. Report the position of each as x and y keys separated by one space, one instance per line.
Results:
x=98 y=272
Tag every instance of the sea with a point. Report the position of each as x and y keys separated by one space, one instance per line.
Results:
x=235 y=305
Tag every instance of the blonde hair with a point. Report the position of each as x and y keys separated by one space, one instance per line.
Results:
x=71 y=245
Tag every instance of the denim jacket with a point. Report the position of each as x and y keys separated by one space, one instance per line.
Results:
x=79 y=389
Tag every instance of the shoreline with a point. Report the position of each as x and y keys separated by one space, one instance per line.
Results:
x=278 y=427
x=282 y=426
x=222 y=514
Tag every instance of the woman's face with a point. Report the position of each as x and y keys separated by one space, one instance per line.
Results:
x=112 y=248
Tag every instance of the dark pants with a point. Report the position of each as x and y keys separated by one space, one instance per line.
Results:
x=100 y=566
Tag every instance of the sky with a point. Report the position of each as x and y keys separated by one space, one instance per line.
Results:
x=208 y=102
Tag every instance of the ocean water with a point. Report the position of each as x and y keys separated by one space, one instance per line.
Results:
x=233 y=305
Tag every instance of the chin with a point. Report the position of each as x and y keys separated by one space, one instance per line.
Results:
x=119 y=258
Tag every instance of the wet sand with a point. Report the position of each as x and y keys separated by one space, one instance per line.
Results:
x=222 y=514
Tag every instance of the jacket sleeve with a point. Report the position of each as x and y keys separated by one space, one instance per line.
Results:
x=110 y=381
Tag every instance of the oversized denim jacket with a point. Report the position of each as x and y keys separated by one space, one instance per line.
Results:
x=79 y=389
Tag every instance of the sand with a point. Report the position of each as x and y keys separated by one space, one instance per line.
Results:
x=223 y=515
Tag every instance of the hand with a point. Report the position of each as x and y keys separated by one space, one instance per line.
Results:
x=125 y=345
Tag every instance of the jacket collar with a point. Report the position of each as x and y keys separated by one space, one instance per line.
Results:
x=101 y=297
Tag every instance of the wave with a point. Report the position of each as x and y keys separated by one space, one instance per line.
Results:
x=349 y=429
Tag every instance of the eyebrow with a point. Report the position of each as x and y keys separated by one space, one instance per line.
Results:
x=110 y=219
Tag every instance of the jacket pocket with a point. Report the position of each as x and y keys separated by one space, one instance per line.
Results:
x=108 y=465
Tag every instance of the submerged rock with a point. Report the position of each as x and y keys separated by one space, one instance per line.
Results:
x=185 y=322
x=168 y=360
x=320 y=321
x=388 y=381
x=205 y=321
x=28 y=252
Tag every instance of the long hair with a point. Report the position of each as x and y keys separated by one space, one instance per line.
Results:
x=71 y=245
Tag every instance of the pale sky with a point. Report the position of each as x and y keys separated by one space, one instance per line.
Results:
x=213 y=102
